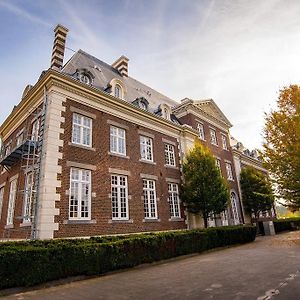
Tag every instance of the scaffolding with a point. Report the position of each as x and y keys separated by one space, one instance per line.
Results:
x=29 y=153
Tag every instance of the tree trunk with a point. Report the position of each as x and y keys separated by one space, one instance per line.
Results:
x=205 y=221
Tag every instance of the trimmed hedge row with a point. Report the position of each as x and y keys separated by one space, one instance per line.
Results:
x=34 y=262
x=286 y=224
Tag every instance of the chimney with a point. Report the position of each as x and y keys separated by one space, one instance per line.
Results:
x=59 y=47
x=121 y=64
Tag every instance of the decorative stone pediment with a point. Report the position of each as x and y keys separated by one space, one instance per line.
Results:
x=211 y=108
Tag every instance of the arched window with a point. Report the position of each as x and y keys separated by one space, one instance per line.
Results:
x=118 y=91
x=167 y=113
x=234 y=208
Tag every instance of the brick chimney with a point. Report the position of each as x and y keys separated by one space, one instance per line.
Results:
x=59 y=47
x=121 y=64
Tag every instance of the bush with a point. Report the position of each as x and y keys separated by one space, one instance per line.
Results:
x=33 y=262
x=286 y=224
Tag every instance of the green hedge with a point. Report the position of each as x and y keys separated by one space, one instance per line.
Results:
x=33 y=262
x=286 y=224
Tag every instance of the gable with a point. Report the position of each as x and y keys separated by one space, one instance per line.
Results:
x=211 y=108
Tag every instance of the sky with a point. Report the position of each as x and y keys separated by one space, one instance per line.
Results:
x=239 y=52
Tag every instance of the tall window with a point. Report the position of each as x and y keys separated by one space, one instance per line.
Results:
x=117 y=140
x=200 y=130
x=235 y=213
x=169 y=155
x=174 y=200
x=146 y=148
x=213 y=137
x=28 y=191
x=35 y=130
x=11 y=202
x=119 y=197
x=224 y=142
x=229 y=171
x=20 y=138
x=150 y=207
x=118 y=91
x=80 y=194
x=82 y=130
x=8 y=148
x=1 y=200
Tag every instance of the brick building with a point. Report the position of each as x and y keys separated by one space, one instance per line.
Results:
x=91 y=151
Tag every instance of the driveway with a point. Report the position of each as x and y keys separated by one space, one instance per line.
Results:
x=269 y=268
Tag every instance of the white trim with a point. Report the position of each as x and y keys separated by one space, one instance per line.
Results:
x=82 y=112
x=148 y=176
x=119 y=171
x=80 y=165
x=117 y=124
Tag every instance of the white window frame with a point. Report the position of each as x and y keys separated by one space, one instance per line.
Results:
x=234 y=208
x=1 y=200
x=118 y=91
x=82 y=130
x=149 y=196
x=229 y=171
x=20 y=138
x=117 y=140
x=8 y=148
x=119 y=197
x=11 y=202
x=200 y=129
x=146 y=148
x=77 y=185
x=28 y=194
x=35 y=130
x=224 y=142
x=174 y=200
x=170 y=155
x=213 y=137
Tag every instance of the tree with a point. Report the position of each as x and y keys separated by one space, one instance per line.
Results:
x=204 y=190
x=257 y=193
x=282 y=145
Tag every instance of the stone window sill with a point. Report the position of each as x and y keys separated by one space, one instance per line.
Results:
x=10 y=226
x=172 y=167
x=25 y=224
x=78 y=222
x=81 y=146
x=118 y=155
x=151 y=220
x=120 y=221
x=176 y=219
x=147 y=161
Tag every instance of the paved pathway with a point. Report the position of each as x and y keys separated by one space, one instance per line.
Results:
x=269 y=268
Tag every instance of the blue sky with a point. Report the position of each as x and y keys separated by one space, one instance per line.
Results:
x=240 y=53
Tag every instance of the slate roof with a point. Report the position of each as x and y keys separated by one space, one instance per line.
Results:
x=103 y=73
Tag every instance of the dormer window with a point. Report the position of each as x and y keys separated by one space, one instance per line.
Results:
x=118 y=91
x=84 y=76
x=165 y=111
x=117 y=88
x=141 y=103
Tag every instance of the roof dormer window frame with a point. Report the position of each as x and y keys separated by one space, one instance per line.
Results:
x=84 y=76
x=117 y=88
x=166 y=111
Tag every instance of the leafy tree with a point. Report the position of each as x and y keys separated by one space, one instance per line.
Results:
x=257 y=191
x=204 y=190
x=282 y=145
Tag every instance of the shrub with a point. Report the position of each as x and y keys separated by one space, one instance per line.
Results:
x=286 y=224
x=32 y=262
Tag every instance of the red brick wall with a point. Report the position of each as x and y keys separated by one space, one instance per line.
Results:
x=101 y=185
